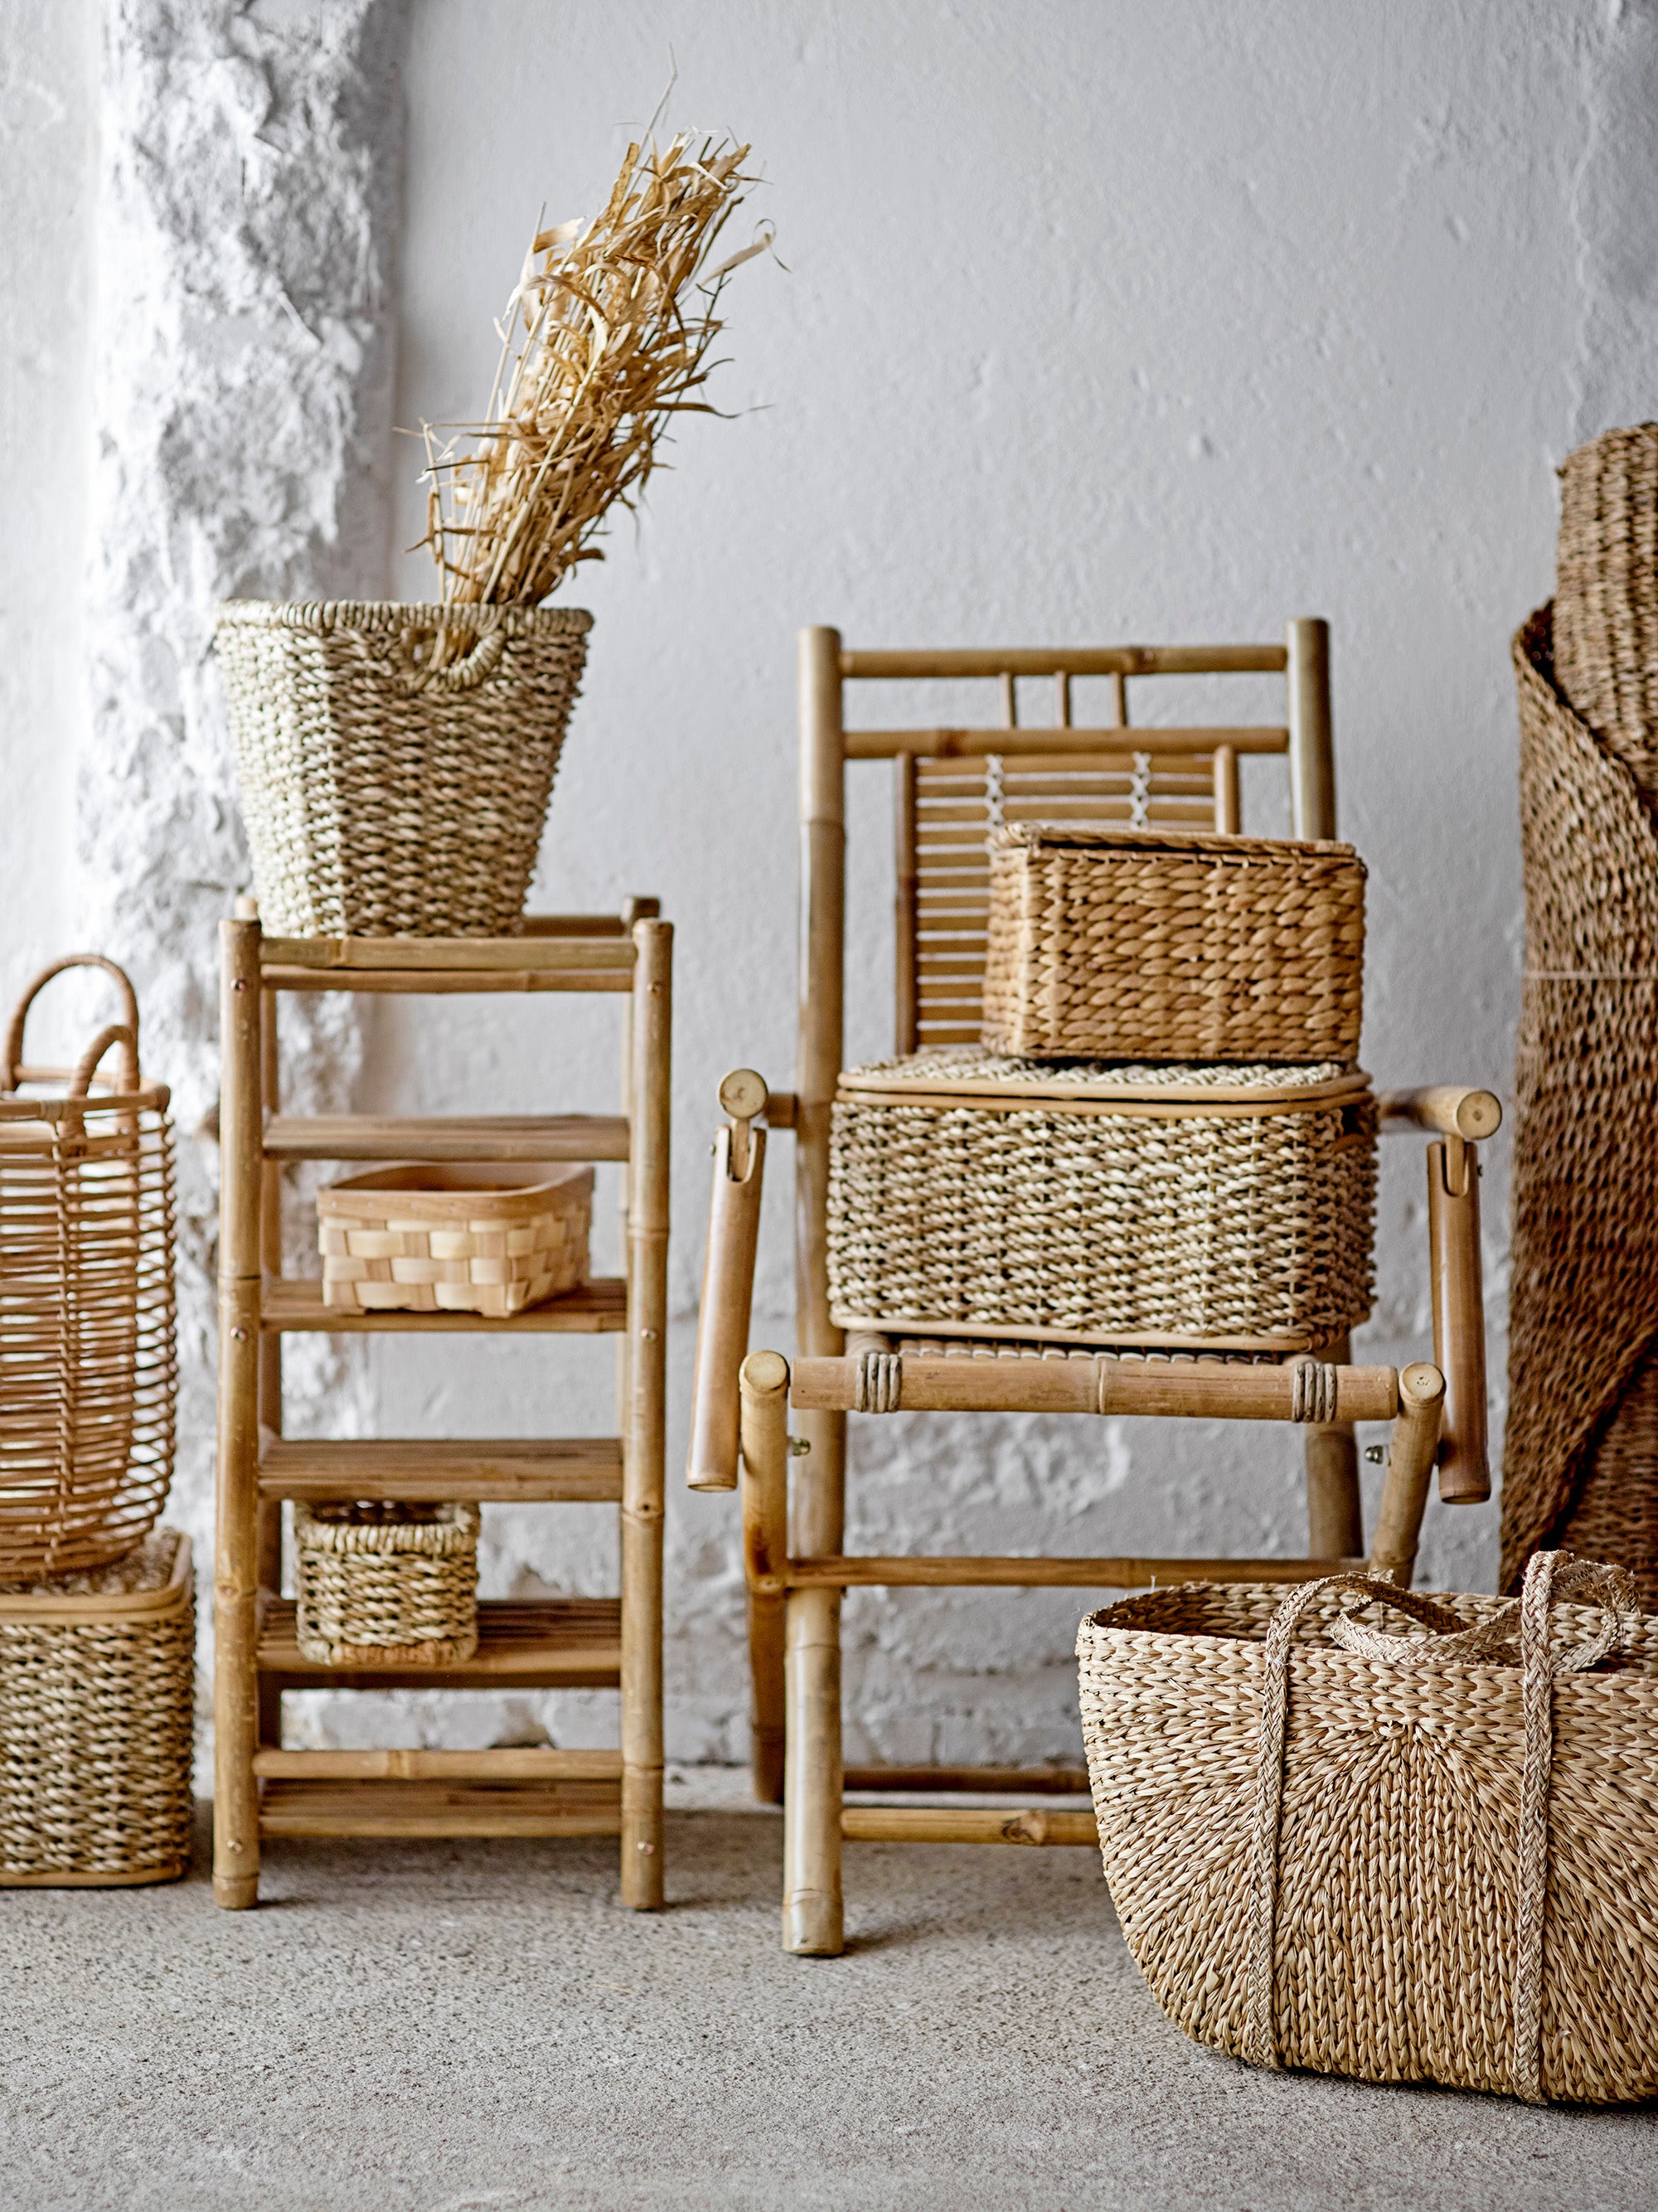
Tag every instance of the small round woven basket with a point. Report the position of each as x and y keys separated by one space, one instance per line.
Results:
x=396 y=761
x=385 y=1585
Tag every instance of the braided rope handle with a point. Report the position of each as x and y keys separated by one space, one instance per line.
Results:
x=13 y=1071
x=464 y=673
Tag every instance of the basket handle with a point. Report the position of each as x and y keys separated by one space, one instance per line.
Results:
x=464 y=673
x=12 y=1068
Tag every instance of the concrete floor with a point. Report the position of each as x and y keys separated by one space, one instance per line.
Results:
x=439 y=2028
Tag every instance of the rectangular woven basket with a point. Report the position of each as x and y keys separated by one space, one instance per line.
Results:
x=97 y=1698
x=1223 y=1207
x=445 y=1239
x=1422 y=1857
x=1165 y=944
x=386 y=1585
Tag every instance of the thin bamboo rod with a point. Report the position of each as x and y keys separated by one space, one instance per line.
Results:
x=644 y=1440
x=1411 y=1450
x=1229 y=801
x=765 y=1389
x=500 y=1763
x=993 y=1781
x=236 y=1563
x=1063 y=660
x=1312 y=753
x=954 y=1823
x=270 y=1510
x=439 y=982
x=722 y=1325
x=872 y=1571
x=1253 y=1392
x=454 y=955
x=1459 y=1313
x=904 y=920
x=1335 y=1505
x=813 y=1912
x=1064 y=742
x=1450 y=1108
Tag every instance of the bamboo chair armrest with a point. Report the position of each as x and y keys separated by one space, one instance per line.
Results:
x=1459 y=1315
x=722 y=1328
x=1449 y=1110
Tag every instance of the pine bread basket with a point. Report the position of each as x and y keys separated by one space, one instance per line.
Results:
x=97 y=1710
x=1180 y=1207
x=386 y=1585
x=453 y=1239
x=1416 y=1858
x=1164 y=945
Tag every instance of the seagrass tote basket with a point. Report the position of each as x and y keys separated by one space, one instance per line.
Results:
x=1204 y=1207
x=396 y=761
x=1164 y=945
x=1417 y=1857
x=386 y=1585
x=97 y=1683
x=89 y=1366
x=443 y=1239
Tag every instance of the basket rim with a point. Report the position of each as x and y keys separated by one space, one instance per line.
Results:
x=323 y=616
x=1122 y=1083
x=1101 y=841
x=385 y=1190
x=170 y=1596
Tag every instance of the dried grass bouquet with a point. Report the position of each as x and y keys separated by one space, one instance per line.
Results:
x=607 y=334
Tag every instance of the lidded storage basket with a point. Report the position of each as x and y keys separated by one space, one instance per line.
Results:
x=396 y=761
x=488 y=1240
x=1164 y=945
x=1416 y=1858
x=386 y=1585
x=97 y=1682
x=89 y=1366
x=1223 y=1207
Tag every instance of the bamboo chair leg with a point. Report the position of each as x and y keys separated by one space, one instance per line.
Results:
x=814 y=1924
x=1335 y=1519
x=765 y=1386
x=1411 y=1450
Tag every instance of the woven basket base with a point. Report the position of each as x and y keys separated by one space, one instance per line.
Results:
x=81 y=1878
x=448 y=1651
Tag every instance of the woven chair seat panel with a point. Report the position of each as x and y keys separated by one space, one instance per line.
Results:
x=1121 y=945
x=1187 y=1226
x=1394 y=1951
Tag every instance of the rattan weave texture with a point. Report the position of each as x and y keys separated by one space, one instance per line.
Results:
x=97 y=1678
x=1606 y=599
x=88 y=1364
x=384 y=797
x=1339 y=1859
x=389 y=1585
x=1174 y=1205
x=1164 y=945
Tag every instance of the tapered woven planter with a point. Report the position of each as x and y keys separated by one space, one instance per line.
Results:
x=396 y=761
x=1424 y=1856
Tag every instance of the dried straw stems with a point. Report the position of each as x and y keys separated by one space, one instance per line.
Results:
x=600 y=344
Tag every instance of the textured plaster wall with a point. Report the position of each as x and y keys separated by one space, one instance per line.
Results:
x=1099 y=321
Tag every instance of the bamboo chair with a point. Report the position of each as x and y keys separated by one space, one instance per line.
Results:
x=948 y=784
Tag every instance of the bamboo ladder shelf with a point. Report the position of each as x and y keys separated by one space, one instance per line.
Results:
x=260 y=1788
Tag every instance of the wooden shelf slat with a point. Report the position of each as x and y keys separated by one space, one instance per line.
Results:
x=595 y=1309
x=440 y=1809
x=447 y=1137
x=541 y=1644
x=539 y=1762
x=557 y=1470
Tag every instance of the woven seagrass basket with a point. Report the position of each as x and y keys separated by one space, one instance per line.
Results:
x=1415 y=1858
x=386 y=1585
x=1606 y=599
x=489 y=1240
x=1222 y=1207
x=97 y=1695
x=88 y=1364
x=1161 y=944
x=396 y=761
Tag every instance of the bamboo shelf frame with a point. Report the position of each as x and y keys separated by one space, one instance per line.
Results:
x=793 y=1509
x=261 y=1788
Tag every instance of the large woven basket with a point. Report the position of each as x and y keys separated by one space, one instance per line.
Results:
x=396 y=761
x=386 y=1585
x=1162 y=945
x=1416 y=1858
x=88 y=1365
x=489 y=1240
x=1606 y=599
x=1219 y=1206
x=97 y=1681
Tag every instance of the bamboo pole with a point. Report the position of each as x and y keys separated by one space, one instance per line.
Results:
x=813 y=1912
x=872 y=1571
x=821 y=1492
x=1459 y=1310
x=644 y=1439
x=270 y=1345
x=959 y=1823
x=765 y=1387
x=1312 y=753
x=1335 y=1507
x=236 y=1561
x=1410 y=1451
x=993 y=1781
x=1229 y=803
x=1059 y=660
x=722 y=1326
x=906 y=1011
x=1166 y=742
x=539 y=1762
x=1102 y=1385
